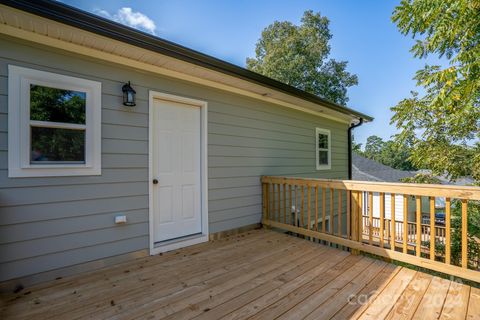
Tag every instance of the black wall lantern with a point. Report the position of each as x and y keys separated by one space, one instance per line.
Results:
x=128 y=95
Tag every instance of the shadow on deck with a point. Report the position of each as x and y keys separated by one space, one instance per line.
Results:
x=257 y=275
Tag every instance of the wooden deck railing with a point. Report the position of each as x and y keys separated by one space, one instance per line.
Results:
x=332 y=211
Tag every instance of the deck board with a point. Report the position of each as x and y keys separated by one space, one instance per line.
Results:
x=259 y=274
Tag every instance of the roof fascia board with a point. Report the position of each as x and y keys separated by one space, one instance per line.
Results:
x=78 y=49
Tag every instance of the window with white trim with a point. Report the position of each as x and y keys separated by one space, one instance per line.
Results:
x=323 y=149
x=54 y=124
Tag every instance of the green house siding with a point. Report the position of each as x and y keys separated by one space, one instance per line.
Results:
x=54 y=222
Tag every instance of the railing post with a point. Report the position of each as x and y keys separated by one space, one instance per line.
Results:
x=464 y=234
x=447 y=230
x=432 y=228
x=349 y=214
x=266 y=205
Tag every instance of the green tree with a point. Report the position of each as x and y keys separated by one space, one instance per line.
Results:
x=396 y=156
x=357 y=147
x=373 y=148
x=297 y=55
x=422 y=178
x=443 y=124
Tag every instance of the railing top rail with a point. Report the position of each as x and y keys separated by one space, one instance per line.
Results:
x=429 y=190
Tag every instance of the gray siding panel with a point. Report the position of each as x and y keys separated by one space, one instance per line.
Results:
x=53 y=222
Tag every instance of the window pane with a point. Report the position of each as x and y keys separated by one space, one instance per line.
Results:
x=57 y=105
x=58 y=145
x=323 y=157
x=322 y=141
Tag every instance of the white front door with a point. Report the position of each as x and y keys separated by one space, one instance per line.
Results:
x=176 y=170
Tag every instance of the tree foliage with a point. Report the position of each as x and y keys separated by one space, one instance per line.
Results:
x=421 y=178
x=443 y=124
x=373 y=148
x=388 y=152
x=297 y=55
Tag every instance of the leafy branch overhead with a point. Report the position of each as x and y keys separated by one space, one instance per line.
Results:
x=443 y=123
x=298 y=56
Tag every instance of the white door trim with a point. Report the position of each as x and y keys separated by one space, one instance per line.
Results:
x=175 y=244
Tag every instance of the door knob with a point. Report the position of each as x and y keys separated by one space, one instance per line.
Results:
x=155 y=181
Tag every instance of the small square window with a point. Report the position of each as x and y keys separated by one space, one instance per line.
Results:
x=55 y=124
x=323 y=149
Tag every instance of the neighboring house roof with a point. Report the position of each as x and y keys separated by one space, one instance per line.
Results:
x=74 y=17
x=371 y=170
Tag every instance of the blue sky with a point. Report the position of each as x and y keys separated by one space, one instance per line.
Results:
x=363 y=34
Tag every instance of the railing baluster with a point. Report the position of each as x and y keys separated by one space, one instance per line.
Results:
x=382 y=218
x=331 y=211
x=295 y=215
x=418 y=200
x=392 y=221
x=316 y=208
x=273 y=202
x=360 y=216
x=284 y=203
x=464 y=234
x=432 y=228
x=279 y=203
x=290 y=218
x=264 y=203
x=387 y=230
x=349 y=214
x=324 y=209
x=340 y=207
x=309 y=194
x=447 y=230
x=302 y=206
x=354 y=212
x=370 y=218
x=405 y=223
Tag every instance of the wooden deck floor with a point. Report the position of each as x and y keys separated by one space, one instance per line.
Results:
x=256 y=275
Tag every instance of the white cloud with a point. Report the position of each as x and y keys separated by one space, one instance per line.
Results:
x=130 y=18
